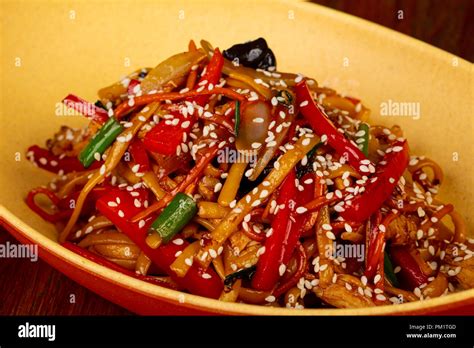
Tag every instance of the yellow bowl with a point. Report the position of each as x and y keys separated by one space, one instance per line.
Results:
x=51 y=48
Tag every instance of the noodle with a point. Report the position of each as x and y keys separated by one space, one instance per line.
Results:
x=328 y=210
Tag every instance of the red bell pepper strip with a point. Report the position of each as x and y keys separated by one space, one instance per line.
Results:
x=323 y=126
x=302 y=260
x=62 y=206
x=50 y=217
x=380 y=186
x=376 y=246
x=112 y=265
x=212 y=76
x=131 y=86
x=291 y=243
x=139 y=155
x=269 y=263
x=165 y=137
x=44 y=159
x=89 y=110
x=410 y=275
x=120 y=215
x=302 y=197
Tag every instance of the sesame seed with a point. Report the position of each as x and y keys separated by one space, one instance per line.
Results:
x=256 y=203
x=419 y=234
x=417 y=292
x=256 y=145
x=327 y=227
x=218 y=187
x=397 y=148
x=102 y=170
x=301 y=210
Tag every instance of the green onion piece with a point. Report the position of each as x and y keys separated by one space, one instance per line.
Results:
x=237 y=118
x=364 y=145
x=174 y=217
x=389 y=272
x=101 y=141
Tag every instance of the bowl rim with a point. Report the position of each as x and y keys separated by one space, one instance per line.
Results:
x=215 y=306
x=208 y=304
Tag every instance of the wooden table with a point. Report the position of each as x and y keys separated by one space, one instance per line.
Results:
x=37 y=289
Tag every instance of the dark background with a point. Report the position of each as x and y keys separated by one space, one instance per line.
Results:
x=447 y=24
x=28 y=288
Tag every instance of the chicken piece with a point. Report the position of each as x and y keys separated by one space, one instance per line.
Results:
x=460 y=264
x=339 y=296
x=206 y=187
x=402 y=230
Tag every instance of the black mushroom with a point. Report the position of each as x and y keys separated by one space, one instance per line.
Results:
x=252 y=54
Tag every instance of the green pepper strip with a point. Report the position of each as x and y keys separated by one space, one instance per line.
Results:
x=174 y=217
x=389 y=272
x=101 y=141
x=237 y=118
x=364 y=146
